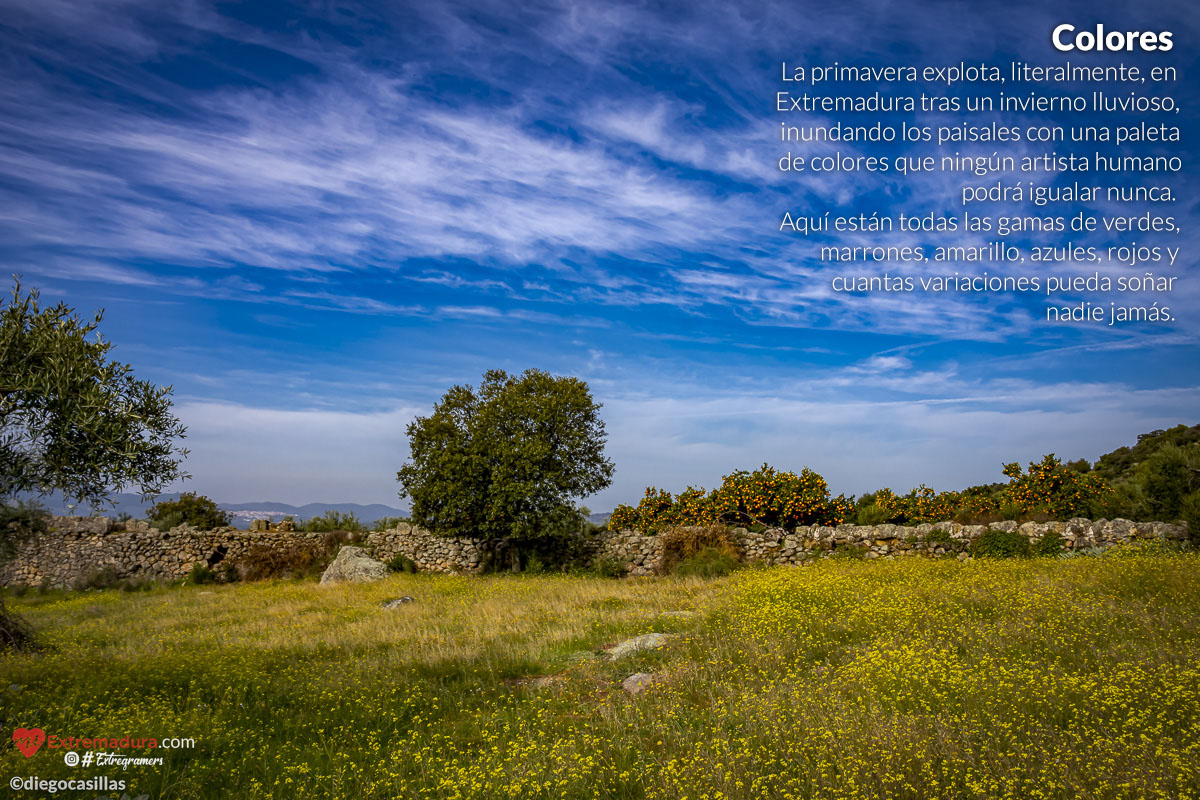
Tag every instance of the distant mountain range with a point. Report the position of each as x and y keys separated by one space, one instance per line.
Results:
x=242 y=513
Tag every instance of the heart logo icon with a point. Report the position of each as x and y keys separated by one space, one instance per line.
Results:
x=28 y=740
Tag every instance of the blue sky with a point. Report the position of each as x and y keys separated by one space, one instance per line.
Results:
x=313 y=220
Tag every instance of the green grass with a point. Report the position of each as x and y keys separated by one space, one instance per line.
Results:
x=1035 y=678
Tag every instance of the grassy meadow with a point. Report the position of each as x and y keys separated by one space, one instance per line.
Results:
x=1035 y=678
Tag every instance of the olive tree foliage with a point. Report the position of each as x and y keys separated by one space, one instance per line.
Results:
x=504 y=461
x=71 y=419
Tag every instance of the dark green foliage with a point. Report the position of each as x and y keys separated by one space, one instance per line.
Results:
x=709 y=562
x=871 y=514
x=71 y=419
x=609 y=567
x=137 y=584
x=190 y=509
x=106 y=577
x=402 y=563
x=334 y=521
x=938 y=537
x=565 y=545
x=1120 y=463
x=387 y=523
x=202 y=574
x=1051 y=544
x=1166 y=478
x=499 y=462
x=1190 y=511
x=1000 y=544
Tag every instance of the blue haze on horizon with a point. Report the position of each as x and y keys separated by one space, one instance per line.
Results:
x=312 y=220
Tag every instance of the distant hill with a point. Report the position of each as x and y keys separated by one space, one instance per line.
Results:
x=1120 y=463
x=242 y=513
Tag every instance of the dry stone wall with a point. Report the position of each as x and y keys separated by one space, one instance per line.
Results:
x=944 y=539
x=78 y=547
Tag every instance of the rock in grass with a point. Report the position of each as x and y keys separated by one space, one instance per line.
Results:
x=637 y=682
x=353 y=565
x=647 y=641
x=399 y=601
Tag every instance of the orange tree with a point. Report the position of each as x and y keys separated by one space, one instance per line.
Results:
x=778 y=499
x=1050 y=488
x=765 y=496
x=919 y=505
x=976 y=502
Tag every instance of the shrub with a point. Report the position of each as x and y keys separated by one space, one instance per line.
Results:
x=1051 y=544
x=563 y=544
x=1000 y=544
x=201 y=574
x=143 y=583
x=402 y=563
x=333 y=540
x=1166 y=478
x=332 y=521
x=387 y=523
x=609 y=567
x=227 y=571
x=105 y=577
x=871 y=514
x=680 y=544
x=710 y=562
x=190 y=509
x=938 y=537
x=1009 y=511
x=1191 y=515
x=263 y=561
